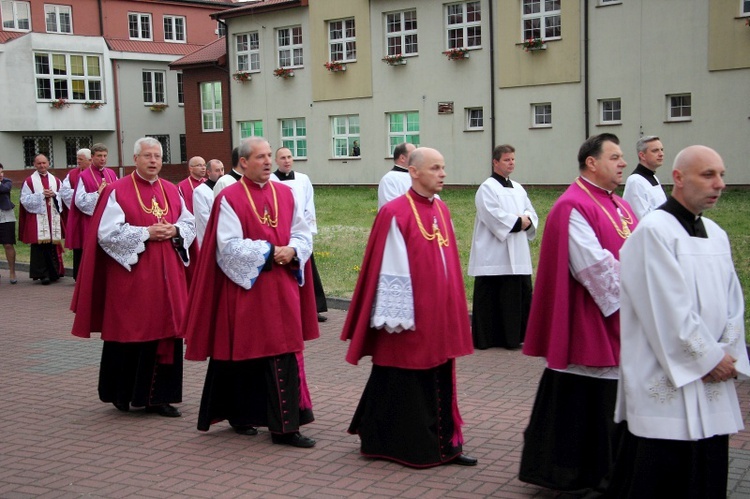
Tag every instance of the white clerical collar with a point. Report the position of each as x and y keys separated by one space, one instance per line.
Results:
x=429 y=198
x=147 y=180
x=260 y=184
x=597 y=186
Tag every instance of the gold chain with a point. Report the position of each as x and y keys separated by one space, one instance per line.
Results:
x=623 y=232
x=155 y=209
x=266 y=218
x=442 y=241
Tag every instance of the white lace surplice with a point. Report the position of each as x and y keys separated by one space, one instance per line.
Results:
x=393 y=309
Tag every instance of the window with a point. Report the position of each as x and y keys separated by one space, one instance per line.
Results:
x=290 y=47
x=183 y=148
x=174 y=29
x=153 y=87
x=345 y=132
x=248 y=52
x=610 y=112
x=294 y=136
x=221 y=29
x=68 y=76
x=139 y=26
x=211 y=112
x=37 y=145
x=59 y=18
x=745 y=7
x=679 y=107
x=475 y=118
x=401 y=33
x=180 y=90
x=541 y=115
x=166 y=156
x=402 y=127
x=251 y=129
x=72 y=145
x=541 y=19
x=464 y=25
x=16 y=15
x=342 y=41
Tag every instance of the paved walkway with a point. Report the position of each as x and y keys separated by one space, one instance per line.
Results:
x=58 y=440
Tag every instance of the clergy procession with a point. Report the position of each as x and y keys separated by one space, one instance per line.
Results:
x=634 y=309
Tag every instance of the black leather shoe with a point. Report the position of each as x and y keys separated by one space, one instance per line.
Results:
x=294 y=439
x=464 y=460
x=122 y=406
x=246 y=430
x=166 y=410
x=322 y=318
x=45 y=281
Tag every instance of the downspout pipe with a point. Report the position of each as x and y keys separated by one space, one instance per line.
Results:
x=586 y=110
x=492 y=76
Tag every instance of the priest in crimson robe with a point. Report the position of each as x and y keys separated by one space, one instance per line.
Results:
x=40 y=224
x=409 y=314
x=253 y=265
x=131 y=287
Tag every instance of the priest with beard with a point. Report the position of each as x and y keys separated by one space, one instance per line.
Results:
x=409 y=314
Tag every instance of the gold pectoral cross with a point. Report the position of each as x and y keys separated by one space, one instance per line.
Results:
x=156 y=209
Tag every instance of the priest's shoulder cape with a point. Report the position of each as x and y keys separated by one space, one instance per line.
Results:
x=565 y=324
x=276 y=315
x=441 y=321
x=148 y=301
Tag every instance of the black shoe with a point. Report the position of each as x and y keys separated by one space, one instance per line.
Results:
x=122 y=406
x=45 y=281
x=294 y=439
x=322 y=318
x=246 y=430
x=166 y=410
x=464 y=460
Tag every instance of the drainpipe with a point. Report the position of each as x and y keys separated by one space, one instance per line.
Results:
x=492 y=75
x=586 y=109
x=229 y=85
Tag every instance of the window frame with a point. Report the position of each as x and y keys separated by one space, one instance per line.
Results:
x=402 y=35
x=252 y=54
x=253 y=128
x=174 y=28
x=671 y=107
x=744 y=8
x=56 y=10
x=291 y=47
x=166 y=149
x=405 y=135
x=55 y=82
x=42 y=144
x=292 y=142
x=464 y=25
x=73 y=144
x=140 y=16
x=180 y=89
x=469 y=118
x=535 y=115
x=15 y=4
x=348 y=43
x=603 y=111
x=154 y=91
x=348 y=136
x=542 y=16
x=215 y=111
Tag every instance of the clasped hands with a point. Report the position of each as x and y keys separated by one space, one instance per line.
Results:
x=282 y=255
x=161 y=231
x=723 y=371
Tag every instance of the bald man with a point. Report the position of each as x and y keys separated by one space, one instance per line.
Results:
x=197 y=170
x=409 y=314
x=683 y=343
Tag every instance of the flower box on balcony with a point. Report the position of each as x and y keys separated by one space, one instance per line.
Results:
x=394 y=60
x=158 y=107
x=59 y=103
x=335 y=66
x=457 y=54
x=283 y=73
x=92 y=104
x=534 y=44
x=241 y=76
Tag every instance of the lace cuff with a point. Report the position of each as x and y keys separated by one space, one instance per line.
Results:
x=242 y=260
x=34 y=203
x=602 y=280
x=86 y=201
x=125 y=243
x=393 y=309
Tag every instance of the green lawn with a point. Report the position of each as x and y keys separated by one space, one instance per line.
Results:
x=345 y=215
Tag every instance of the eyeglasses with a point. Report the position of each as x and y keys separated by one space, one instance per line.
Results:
x=150 y=155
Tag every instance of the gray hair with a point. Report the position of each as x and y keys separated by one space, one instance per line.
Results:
x=245 y=149
x=86 y=153
x=147 y=142
x=642 y=143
